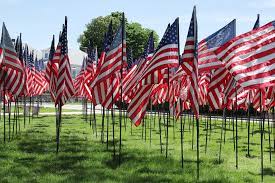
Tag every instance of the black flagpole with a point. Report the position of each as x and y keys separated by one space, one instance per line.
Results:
x=168 y=117
x=224 y=119
x=261 y=128
x=120 y=111
x=13 y=118
x=58 y=126
x=269 y=142
x=236 y=110
x=248 y=130
x=102 y=126
x=18 y=115
x=30 y=110
x=181 y=133
x=160 y=140
x=233 y=126
x=206 y=135
x=4 y=96
x=193 y=127
x=198 y=150
x=113 y=124
x=94 y=121
x=107 y=134
x=91 y=109
x=9 y=109
x=151 y=116
x=24 y=111
x=224 y=133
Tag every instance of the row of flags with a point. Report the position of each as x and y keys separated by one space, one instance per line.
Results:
x=221 y=71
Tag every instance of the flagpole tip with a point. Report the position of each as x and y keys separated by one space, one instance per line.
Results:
x=66 y=19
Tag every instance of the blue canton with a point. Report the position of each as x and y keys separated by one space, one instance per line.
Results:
x=222 y=36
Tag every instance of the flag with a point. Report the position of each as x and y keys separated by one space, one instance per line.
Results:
x=207 y=58
x=13 y=77
x=39 y=80
x=89 y=73
x=79 y=80
x=113 y=62
x=64 y=85
x=190 y=63
x=150 y=72
x=131 y=83
x=165 y=56
x=51 y=68
x=250 y=57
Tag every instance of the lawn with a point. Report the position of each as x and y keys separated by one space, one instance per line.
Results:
x=29 y=155
x=44 y=110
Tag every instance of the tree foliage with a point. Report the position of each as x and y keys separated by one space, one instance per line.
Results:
x=136 y=35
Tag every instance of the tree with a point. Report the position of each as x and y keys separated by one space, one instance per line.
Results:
x=136 y=35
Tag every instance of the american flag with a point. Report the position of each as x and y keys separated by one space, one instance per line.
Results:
x=91 y=67
x=114 y=60
x=79 y=80
x=48 y=66
x=207 y=58
x=64 y=85
x=30 y=73
x=137 y=107
x=219 y=80
x=13 y=76
x=51 y=73
x=108 y=38
x=39 y=80
x=165 y=56
x=150 y=73
x=190 y=63
x=132 y=82
x=250 y=57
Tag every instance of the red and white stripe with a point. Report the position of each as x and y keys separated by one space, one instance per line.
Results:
x=250 y=57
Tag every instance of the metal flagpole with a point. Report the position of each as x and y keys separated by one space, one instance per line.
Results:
x=160 y=140
x=107 y=134
x=102 y=126
x=9 y=109
x=206 y=135
x=193 y=127
x=151 y=116
x=58 y=127
x=120 y=111
x=261 y=128
x=24 y=111
x=181 y=133
x=94 y=121
x=91 y=109
x=4 y=96
x=236 y=110
x=30 y=110
x=224 y=119
x=10 y=118
x=248 y=130
x=269 y=142
x=17 y=114
x=167 y=120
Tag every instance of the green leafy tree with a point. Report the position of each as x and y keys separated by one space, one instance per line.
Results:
x=136 y=35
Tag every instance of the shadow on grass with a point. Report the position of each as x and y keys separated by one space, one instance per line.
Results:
x=267 y=171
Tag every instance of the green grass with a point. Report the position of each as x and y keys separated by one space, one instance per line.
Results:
x=45 y=110
x=29 y=156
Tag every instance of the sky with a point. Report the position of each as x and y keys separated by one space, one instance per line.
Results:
x=39 y=20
